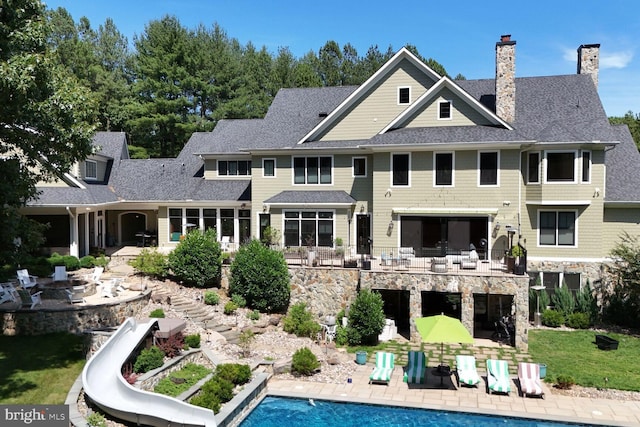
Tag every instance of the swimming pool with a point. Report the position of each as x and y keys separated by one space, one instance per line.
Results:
x=285 y=411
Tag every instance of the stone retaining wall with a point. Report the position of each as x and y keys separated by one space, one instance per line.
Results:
x=74 y=319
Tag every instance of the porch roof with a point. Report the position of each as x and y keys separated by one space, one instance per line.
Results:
x=292 y=198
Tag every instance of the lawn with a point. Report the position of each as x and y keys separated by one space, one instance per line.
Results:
x=575 y=353
x=39 y=369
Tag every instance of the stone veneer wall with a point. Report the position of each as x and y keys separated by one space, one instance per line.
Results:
x=594 y=271
x=326 y=291
x=74 y=319
x=466 y=285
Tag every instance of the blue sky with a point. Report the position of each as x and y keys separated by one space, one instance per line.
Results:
x=460 y=35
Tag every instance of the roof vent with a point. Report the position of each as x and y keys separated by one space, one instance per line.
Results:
x=323 y=114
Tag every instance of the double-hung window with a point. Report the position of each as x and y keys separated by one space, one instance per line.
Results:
x=269 y=168
x=359 y=167
x=90 y=169
x=557 y=228
x=561 y=166
x=234 y=167
x=443 y=170
x=312 y=170
x=400 y=168
x=488 y=170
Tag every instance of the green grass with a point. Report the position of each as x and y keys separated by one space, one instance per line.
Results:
x=39 y=369
x=191 y=374
x=574 y=353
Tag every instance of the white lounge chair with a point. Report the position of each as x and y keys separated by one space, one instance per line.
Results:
x=466 y=370
x=76 y=294
x=108 y=289
x=225 y=242
x=59 y=273
x=529 y=379
x=26 y=280
x=8 y=293
x=95 y=276
x=29 y=300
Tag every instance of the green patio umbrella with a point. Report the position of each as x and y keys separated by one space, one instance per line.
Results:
x=442 y=329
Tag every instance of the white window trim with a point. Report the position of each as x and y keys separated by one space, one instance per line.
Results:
x=293 y=171
x=497 y=184
x=540 y=160
x=398 y=95
x=391 y=171
x=588 y=181
x=353 y=169
x=557 y=246
x=238 y=176
x=453 y=169
x=442 y=101
x=576 y=167
x=86 y=176
x=274 y=167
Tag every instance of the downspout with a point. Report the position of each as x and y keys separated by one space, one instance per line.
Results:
x=520 y=184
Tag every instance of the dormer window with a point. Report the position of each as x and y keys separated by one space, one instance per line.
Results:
x=444 y=110
x=404 y=95
x=90 y=169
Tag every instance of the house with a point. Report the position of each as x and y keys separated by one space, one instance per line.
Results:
x=408 y=159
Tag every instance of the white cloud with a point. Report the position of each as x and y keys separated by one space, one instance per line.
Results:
x=616 y=59
x=607 y=60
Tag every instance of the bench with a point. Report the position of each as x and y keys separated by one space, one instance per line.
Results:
x=606 y=343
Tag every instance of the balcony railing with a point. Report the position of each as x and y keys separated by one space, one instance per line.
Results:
x=384 y=258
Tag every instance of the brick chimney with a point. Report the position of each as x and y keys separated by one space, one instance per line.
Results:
x=506 y=78
x=588 y=60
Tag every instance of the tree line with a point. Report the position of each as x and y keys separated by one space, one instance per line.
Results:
x=178 y=80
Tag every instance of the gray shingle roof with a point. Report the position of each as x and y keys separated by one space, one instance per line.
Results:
x=308 y=197
x=623 y=175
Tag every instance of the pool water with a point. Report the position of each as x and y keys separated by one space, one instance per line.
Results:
x=283 y=412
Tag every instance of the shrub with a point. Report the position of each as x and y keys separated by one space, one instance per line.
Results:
x=101 y=261
x=158 y=313
x=239 y=300
x=197 y=259
x=236 y=373
x=151 y=263
x=552 y=318
x=211 y=298
x=366 y=318
x=71 y=262
x=565 y=382
x=578 y=321
x=148 y=359
x=171 y=346
x=213 y=393
x=246 y=339
x=621 y=302
x=342 y=338
x=586 y=302
x=96 y=420
x=87 y=261
x=300 y=322
x=563 y=300
x=261 y=276
x=304 y=361
x=230 y=307
x=55 y=259
x=192 y=341
x=253 y=315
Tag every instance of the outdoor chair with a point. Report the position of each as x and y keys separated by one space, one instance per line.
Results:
x=529 y=379
x=498 y=376
x=225 y=242
x=76 y=294
x=385 y=362
x=8 y=293
x=59 y=273
x=466 y=370
x=26 y=280
x=415 y=369
x=29 y=300
x=95 y=276
x=108 y=289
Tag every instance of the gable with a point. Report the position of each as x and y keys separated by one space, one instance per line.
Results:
x=379 y=104
x=462 y=113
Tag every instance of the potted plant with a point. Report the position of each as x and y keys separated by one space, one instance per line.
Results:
x=310 y=241
x=513 y=258
x=339 y=247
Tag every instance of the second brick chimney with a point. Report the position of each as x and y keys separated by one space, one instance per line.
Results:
x=506 y=78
